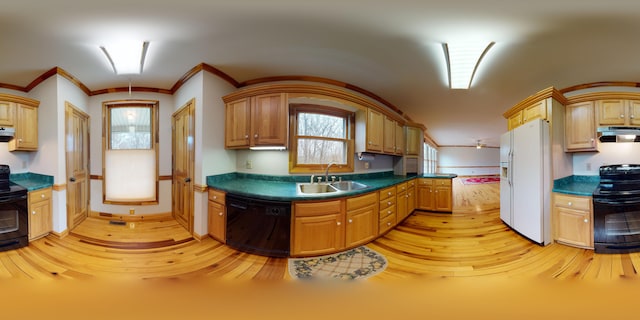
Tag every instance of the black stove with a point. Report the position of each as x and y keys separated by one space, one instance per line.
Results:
x=14 y=219
x=616 y=209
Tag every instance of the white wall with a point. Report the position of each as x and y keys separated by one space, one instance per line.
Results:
x=469 y=161
x=166 y=107
x=610 y=153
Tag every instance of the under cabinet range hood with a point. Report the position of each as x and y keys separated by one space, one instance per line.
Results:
x=6 y=134
x=619 y=134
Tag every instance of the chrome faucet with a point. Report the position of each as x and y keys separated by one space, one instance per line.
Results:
x=326 y=172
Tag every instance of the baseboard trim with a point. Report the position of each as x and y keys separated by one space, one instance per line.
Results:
x=62 y=234
x=200 y=237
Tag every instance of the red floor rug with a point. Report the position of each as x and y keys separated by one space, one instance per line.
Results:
x=480 y=180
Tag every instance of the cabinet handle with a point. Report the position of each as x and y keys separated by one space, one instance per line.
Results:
x=586 y=220
x=19 y=140
x=388 y=211
x=370 y=142
x=389 y=223
x=338 y=223
x=388 y=193
x=631 y=116
x=593 y=142
x=622 y=116
x=33 y=212
x=246 y=136
x=255 y=135
x=215 y=197
x=350 y=221
x=220 y=214
x=388 y=203
x=569 y=204
x=72 y=179
x=42 y=196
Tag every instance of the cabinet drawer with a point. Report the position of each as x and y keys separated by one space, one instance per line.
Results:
x=362 y=201
x=40 y=195
x=389 y=202
x=387 y=193
x=411 y=184
x=387 y=223
x=306 y=209
x=572 y=202
x=387 y=212
x=442 y=182
x=217 y=196
x=401 y=187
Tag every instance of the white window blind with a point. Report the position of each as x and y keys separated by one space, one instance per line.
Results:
x=130 y=175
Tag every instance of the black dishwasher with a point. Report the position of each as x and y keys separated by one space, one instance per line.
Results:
x=258 y=226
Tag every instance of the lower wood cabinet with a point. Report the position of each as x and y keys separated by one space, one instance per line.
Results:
x=435 y=195
x=388 y=209
x=217 y=224
x=362 y=219
x=573 y=220
x=40 y=218
x=318 y=227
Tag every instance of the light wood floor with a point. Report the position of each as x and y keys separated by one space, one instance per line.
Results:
x=471 y=242
x=467 y=264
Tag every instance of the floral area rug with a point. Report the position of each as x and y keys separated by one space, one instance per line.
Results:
x=480 y=180
x=357 y=263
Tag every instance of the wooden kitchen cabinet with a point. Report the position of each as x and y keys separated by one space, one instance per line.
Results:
x=389 y=130
x=405 y=199
x=375 y=131
x=537 y=110
x=318 y=227
x=362 y=219
x=580 y=127
x=40 y=217
x=256 y=121
x=217 y=223
x=618 y=112
x=573 y=220
x=399 y=136
x=435 y=195
x=26 y=125
x=388 y=209
x=413 y=141
x=7 y=113
x=515 y=120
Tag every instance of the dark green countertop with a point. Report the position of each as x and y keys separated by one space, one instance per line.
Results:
x=576 y=185
x=32 y=181
x=283 y=188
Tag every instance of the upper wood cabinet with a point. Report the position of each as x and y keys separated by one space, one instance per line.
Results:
x=580 y=130
x=260 y=120
x=537 y=110
x=389 y=144
x=7 y=113
x=26 y=125
x=374 y=138
x=618 y=112
x=378 y=133
x=413 y=141
x=399 y=134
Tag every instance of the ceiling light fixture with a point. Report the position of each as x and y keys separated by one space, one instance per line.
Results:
x=463 y=60
x=126 y=58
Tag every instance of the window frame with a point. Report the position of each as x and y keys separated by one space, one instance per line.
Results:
x=349 y=116
x=106 y=143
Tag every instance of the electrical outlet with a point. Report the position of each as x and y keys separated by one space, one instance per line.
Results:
x=132 y=211
x=366 y=164
x=249 y=164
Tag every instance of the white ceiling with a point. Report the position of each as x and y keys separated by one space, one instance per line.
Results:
x=391 y=48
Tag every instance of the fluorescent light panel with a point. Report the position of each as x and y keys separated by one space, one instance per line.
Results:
x=462 y=60
x=126 y=58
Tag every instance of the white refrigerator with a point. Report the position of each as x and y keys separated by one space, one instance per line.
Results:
x=525 y=180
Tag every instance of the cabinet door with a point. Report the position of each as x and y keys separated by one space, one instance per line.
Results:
x=442 y=198
x=425 y=197
x=413 y=141
x=580 y=131
x=315 y=235
x=536 y=111
x=634 y=112
x=411 y=199
x=40 y=219
x=402 y=208
x=362 y=225
x=26 y=124
x=269 y=120
x=389 y=143
x=515 y=120
x=399 y=139
x=375 y=124
x=217 y=221
x=7 y=113
x=573 y=227
x=237 y=115
x=611 y=112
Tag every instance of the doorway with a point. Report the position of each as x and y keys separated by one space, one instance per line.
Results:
x=183 y=155
x=77 y=164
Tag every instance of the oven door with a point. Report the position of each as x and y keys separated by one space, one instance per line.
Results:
x=616 y=225
x=14 y=223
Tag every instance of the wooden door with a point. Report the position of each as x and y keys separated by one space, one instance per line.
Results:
x=182 y=165
x=77 y=164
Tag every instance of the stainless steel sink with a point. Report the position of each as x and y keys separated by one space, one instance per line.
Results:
x=315 y=188
x=348 y=185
